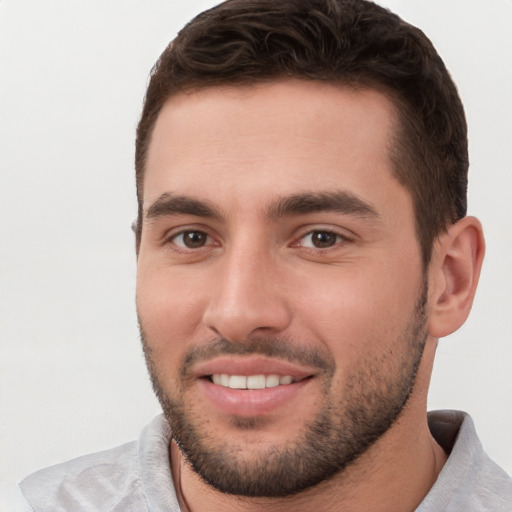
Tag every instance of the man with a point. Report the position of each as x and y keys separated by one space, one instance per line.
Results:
x=302 y=243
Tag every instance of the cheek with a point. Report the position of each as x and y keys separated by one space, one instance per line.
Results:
x=168 y=308
x=359 y=311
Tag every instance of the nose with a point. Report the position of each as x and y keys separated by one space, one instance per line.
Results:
x=248 y=297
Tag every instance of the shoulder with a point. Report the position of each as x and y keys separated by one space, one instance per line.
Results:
x=470 y=481
x=98 y=481
x=121 y=479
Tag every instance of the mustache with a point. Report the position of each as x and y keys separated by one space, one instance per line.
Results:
x=268 y=347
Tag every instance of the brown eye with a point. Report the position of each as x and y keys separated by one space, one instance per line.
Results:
x=319 y=239
x=323 y=239
x=191 y=239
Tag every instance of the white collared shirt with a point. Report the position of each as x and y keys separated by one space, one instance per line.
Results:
x=136 y=477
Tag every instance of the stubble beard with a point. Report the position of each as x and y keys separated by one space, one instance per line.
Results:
x=350 y=422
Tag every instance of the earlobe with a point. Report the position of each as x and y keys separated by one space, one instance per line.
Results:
x=454 y=274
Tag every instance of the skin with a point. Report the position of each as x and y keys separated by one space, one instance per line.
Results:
x=259 y=275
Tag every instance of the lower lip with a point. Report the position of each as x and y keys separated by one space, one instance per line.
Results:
x=251 y=402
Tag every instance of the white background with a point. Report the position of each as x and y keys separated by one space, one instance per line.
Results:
x=72 y=78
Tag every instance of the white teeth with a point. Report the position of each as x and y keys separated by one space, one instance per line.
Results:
x=256 y=382
x=272 y=381
x=238 y=382
x=250 y=382
x=285 y=380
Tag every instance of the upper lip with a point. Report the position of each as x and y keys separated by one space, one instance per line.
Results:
x=250 y=365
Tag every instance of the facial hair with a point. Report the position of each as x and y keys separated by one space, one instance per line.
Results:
x=350 y=421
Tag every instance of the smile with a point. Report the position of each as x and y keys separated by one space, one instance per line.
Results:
x=252 y=386
x=251 y=381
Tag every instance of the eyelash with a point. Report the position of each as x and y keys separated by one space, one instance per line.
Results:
x=181 y=247
x=339 y=239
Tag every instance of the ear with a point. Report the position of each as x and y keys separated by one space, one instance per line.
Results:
x=453 y=275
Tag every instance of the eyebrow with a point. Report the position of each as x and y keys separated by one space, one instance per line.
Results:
x=340 y=201
x=170 y=204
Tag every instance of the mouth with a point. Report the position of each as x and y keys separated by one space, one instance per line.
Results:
x=252 y=387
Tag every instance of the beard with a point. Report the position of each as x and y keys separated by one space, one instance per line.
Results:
x=352 y=418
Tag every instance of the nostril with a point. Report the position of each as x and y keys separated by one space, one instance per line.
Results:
x=239 y=324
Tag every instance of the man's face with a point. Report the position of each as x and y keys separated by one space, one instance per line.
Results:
x=278 y=253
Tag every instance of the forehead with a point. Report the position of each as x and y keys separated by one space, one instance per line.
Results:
x=271 y=139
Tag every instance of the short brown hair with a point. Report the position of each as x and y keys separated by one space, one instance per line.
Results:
x=346 y=42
